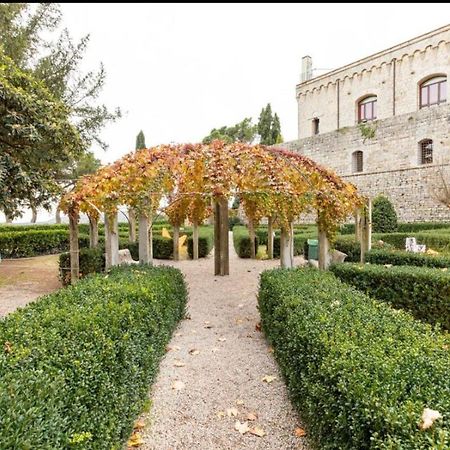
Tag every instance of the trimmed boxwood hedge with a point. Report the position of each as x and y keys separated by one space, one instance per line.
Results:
x=360 y=372
x=21 y=244
x=91 y=260
x=299 y=244
x=241 y=241
x=404 y=258
x=76 y=365
x=437 y=241
x=205 y=242
x=425 y=292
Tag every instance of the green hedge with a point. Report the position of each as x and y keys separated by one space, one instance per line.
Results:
x=241 y=241
x=436 y=241
x=205 y=242
x=360 y=372
x=425 y=292
x=91 y=260
x=404 y=258
x=299 y=243
x=76 y=365
x=33 y=243
x=421 y=226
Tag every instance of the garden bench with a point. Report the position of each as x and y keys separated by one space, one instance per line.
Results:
x=125 y=257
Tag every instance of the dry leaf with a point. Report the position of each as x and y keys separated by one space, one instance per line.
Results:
x=220 y=414
x=241 y=305
x=7 y=347
x=232 y=412
x=139 y=424
x=241 y=427
x=222 y=339
x=269 y=378
x=194 y=351
x=238 y=321
x=428 y=418
x=258 y=431
x=214 y=349
x=300 y=432
x=135 y=440
x=252 y=416
x=178 y=385
x=258 y=326
x=178 y=334
x=179 y=364
x=270 y=350
x=239 y=402
x=175 y=348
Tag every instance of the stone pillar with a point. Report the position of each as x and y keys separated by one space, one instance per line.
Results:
x=93 y=232
x=324 y=248
x=74 y=248
x=176 y=242
x=270 y=237
x=111 y=240
x=144 y=244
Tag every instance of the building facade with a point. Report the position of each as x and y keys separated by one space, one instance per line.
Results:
x=383 y=122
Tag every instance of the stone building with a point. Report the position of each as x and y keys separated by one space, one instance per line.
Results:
x=383 y=122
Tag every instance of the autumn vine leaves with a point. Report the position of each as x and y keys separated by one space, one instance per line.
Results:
x=270 y=182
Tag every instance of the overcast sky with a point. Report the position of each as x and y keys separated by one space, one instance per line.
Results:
x=178 y=70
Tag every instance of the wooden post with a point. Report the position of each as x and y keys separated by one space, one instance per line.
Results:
x=291 y=243
x=270 y=237
x=369 y=225
x=221 y=244
x=285 y=249
x=176 y=242
x=93 y=232
x=132 y=225
x=144 y=244
x=57 y=215
x=251 y=232
x=111 y=240
x=324 y=248
x=195 y=241
x=366 y=230
x=74 y=247
x=150 y=238
x=358 y=225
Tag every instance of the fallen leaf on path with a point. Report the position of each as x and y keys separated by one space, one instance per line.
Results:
x=252 y=416
x=139 y=424
x=194 y=351
x=270 y=350
x=238 y=321
x=178 y=334
x=232 y=412
x=214 y=349
x=258 y=326
x=222 y=339
x=258 y=431
x=135 y=440
x=241 y=427
x=179 y=364
x=300 y=432
x=174 y=348
x=220 y=414
x=239 y=402
x=178 y=385
x=241 y=305
x=269 y=378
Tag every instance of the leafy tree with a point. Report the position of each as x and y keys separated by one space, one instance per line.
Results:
x=384 y=217
x=140 y=140
x=243 y=131
x=269 y=127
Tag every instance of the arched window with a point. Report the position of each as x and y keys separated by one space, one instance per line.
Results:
x=367 y=108
x=433 y=91
x=357 y=161
x=426 y=151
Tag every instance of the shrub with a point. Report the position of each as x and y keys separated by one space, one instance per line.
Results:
x=232 y=221
x=205 y=242
x=20 y=244
x=91 y=260
x=360 y=372
x=299 y=243
x=350 y=246
x=421 y=226
x=425 y=292
x=436 y=240
x=241 y=241
x=384 y=217
x=403 y=258
x=77 y=364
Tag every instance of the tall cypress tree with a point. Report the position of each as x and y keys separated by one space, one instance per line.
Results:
x=269 y=127
x=276 y=130
x=140 y=140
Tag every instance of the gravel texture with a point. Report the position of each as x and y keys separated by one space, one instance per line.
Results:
x=222 y=358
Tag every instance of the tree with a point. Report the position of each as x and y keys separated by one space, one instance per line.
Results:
x=384 y=217
x=243 y=131
x=140 y=140
x=269 y=127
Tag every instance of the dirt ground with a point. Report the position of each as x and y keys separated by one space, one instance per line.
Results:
x=23 y=280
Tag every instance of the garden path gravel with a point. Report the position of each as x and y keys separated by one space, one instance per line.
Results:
x=225 y=359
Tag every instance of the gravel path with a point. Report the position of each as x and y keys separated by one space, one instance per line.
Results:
x=220 y=357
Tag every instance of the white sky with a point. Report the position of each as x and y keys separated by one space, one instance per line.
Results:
x=178 y=70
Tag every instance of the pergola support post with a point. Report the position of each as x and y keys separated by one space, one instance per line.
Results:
x=324 y=249
x=131 y=225
x=176 y=242
x=251 y=232
x=93 y=232
x=270 y=237
x=195 y=241
x=111 y=240
x=144 y=244
x=285 y=248
x=366 y=230
x=291 y=242
x=358 y=225
x=221 y=255
x=74 y=247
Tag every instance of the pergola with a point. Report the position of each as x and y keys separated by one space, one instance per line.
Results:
x=193 y=178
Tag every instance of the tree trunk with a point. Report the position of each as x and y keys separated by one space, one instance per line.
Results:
x=58 y=216
x=33 y=214
x=176 y=242
x=132 y=225
x=291 y=242
x=93 y=232
x=195 y=241
x=150 y=238
x=221 y=244
x=74 y=248
x=324 y=248
x=251 y=232
x=8 y=218
x=366 y=230
x=112 y=241
x=285 y=249
x=358 y=225
x=270 y=237
x=144 y=241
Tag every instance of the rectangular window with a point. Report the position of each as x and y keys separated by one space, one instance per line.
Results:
x=315 y=124
x=433 y=94
x=424 y=96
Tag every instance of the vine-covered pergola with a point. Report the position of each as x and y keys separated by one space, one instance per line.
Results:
x=195 y=179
